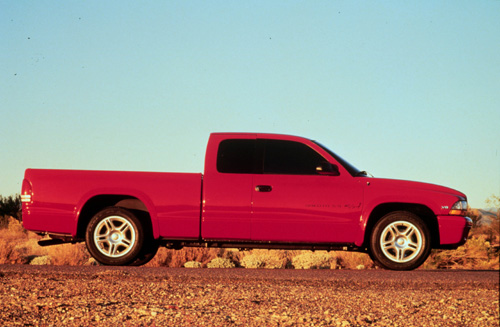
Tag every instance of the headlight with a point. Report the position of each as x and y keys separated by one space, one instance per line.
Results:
x=459 y=208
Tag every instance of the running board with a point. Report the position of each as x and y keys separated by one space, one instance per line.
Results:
x=56 y=239
x=178 y=244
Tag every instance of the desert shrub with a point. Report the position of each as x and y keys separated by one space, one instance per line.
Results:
x=477 y=253
x=270 y=259
x=41 y=260
x=354 y=260
x=15 y=228
x=192 y=264
x=68 y=254
x=7 y=254
x=221 y=263
x=252 y=261
x=315 y=260
x=16 y=244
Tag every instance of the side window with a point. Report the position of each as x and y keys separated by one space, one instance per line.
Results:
x=236 y=156
x=293 y=158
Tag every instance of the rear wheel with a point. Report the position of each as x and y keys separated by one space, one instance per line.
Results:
x=115 y=236
x=148 y=252
x=400 y=241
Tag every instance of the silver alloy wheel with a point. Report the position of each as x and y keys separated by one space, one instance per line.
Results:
x=114 y=236
x=401 y=241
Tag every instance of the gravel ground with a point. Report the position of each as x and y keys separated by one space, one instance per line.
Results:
x=138 y=296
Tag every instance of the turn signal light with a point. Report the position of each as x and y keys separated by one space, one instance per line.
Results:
x=459 y=208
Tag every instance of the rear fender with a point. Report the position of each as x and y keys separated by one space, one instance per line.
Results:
x=120 y=197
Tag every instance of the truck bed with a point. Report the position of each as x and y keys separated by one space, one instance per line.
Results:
x=172 y=199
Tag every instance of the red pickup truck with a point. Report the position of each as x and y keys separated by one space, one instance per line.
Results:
x=258 y=191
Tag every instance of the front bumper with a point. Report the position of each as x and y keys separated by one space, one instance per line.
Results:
x=453 y=230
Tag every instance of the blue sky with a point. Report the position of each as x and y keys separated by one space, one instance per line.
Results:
x=402 y=90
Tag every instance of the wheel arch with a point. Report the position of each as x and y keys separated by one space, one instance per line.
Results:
x=98 y=202
x=422 y=211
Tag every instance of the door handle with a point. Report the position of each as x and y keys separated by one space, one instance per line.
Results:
x=263 y=188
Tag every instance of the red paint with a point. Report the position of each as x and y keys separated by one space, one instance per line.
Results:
x=231 y=206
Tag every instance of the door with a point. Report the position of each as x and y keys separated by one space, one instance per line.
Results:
x=227 y=189
x=294 y=201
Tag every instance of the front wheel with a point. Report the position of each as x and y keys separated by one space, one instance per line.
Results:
x=115 y=237
x=400 y=241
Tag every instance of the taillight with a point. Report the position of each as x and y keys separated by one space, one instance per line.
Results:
x=26 y=192
x=459 y=208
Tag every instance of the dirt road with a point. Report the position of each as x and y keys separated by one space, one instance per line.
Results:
x=127 y=296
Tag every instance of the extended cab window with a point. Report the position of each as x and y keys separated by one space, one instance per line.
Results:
x=236 y=156
x=287 y=157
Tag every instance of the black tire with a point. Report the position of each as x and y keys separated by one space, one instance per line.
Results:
x=115 y=236
x=400 y=241
x=150 y=246
x=148 y=252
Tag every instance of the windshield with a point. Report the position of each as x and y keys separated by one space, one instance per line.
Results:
x=350 y=168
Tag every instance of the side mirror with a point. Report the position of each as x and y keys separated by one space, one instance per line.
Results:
x=326 y=168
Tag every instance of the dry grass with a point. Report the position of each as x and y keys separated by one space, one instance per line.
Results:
x=19 y=246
